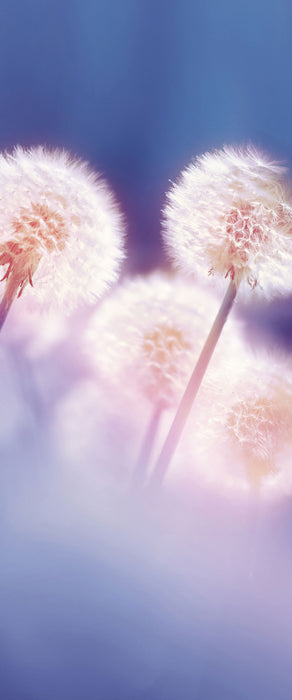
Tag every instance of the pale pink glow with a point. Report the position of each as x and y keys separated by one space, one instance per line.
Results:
x=239 y=436
x=230 y=213
x=146 y=335
x=61 y=229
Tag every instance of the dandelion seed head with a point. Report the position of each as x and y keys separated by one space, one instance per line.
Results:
x=259 y=425
x=61 y=229
x=241 y=435
x=255 y=426
x=230 y=214
x=148 y=333
x=254 y=431
x=164 y=347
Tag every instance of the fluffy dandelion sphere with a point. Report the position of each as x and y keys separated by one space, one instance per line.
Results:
x=61 y=229
x=230 y=214
x=164 y=347
x=259 y=424
x=245 y=439
x=146 y=333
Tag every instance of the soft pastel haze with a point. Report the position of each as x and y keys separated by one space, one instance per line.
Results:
x=147 y=333
x=243 y=416
x=185 y=594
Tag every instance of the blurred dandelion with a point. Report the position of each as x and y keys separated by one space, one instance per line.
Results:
x=259 y=425
x=229 y=214
x=245 y=419
x=143 y=340
x=61 y=230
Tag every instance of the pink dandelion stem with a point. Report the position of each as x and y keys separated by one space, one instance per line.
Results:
x=193 y=386
x=229 y=211
x=5 y=305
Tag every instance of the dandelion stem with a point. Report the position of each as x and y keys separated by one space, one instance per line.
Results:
x=147 y=447
x=5 y=306
x=15 y=283
x=193 y=386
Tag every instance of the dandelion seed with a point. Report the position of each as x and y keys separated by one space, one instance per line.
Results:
x=144 y=338
x=229 y=215
x=258 y=427
x=245 y=419
x=61 y=230
x=144 y=335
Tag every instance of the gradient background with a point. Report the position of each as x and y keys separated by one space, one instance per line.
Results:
x=138 y=87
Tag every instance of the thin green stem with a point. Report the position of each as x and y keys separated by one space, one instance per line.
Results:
x=192 y=388
x=147 y=447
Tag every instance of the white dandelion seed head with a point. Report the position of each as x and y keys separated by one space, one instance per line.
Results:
x=164 y=349
x=148 y=333
x=242 y=433
x=256 y=423
x=258 y=426
x=61 y=228
x=230 y=213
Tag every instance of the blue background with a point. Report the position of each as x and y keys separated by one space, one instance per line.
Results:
x=138 y=87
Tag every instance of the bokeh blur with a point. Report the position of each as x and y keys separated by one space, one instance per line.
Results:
x=188 y=597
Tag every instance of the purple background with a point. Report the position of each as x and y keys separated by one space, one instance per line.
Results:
x=138 y=87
